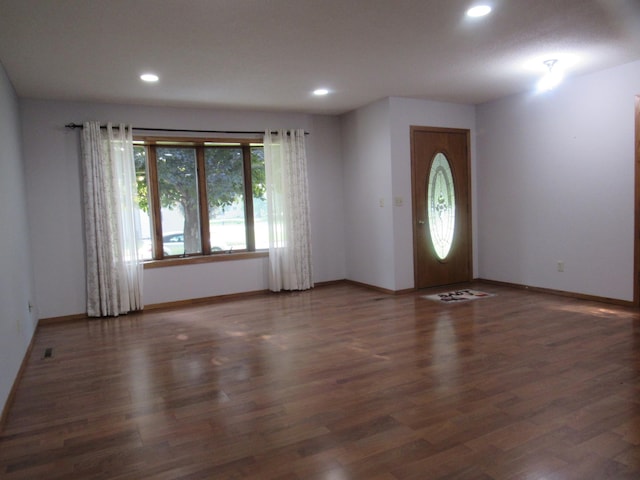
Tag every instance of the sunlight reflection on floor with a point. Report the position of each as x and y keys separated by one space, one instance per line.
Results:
x=597 y=310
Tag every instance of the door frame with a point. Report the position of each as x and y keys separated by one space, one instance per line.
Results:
x=414 y=180
x=636 y=240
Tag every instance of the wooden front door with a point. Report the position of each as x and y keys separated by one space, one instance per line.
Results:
x=441 y=181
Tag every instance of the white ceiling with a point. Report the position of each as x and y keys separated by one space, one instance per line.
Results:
x=270 y=54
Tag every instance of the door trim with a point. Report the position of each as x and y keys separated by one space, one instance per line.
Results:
x=414 y=180
x=636 y=209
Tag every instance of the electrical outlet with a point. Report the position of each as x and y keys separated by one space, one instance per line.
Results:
x=398 y=201
x=560 y=266
x=381 y=202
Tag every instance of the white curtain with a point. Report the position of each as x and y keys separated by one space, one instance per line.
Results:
x=288 y=208
x=114 y=273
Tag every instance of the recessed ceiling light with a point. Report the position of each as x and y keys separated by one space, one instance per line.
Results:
x=149 y=77
x=479 y=11
x=321 y=92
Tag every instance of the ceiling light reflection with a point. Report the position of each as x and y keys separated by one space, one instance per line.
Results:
x=479 y=11
x=552 y=78
x=149 y=77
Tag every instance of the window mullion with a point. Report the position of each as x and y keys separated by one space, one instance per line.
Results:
x=248 y=198
x=204 y=204
x=154 y=201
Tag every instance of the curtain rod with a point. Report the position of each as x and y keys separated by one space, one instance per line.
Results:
x=236 y=132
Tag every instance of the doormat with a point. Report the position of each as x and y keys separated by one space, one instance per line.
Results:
x=458 y=296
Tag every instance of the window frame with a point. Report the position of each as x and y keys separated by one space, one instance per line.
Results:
x=200 y=144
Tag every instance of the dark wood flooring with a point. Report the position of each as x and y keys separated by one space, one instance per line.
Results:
x=337 y=383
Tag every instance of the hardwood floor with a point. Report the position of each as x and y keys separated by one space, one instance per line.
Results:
x=337 y=383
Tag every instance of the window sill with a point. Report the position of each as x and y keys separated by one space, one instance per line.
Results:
x=217 y=257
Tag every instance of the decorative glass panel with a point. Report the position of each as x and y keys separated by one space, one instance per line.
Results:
x=441 y=205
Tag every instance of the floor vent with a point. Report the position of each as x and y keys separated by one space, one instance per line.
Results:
x=48 y=352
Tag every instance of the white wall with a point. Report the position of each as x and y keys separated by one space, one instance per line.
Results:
x=52 y=158
x=17 y=324
x=556 y=183
x=326 y=192
x=366 y=150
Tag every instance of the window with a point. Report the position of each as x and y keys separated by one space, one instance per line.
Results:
x=200 y=197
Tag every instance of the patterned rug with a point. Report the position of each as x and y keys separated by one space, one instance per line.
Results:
x=456 y=296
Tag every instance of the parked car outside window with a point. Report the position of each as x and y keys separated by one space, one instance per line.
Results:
x=172 y=245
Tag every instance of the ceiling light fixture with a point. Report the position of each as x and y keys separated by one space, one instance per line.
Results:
x=149 y=77
x=552 y=78
x=320 y=92
x=479 y=11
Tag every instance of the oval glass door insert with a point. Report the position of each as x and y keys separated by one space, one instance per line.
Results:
x=441 y=205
